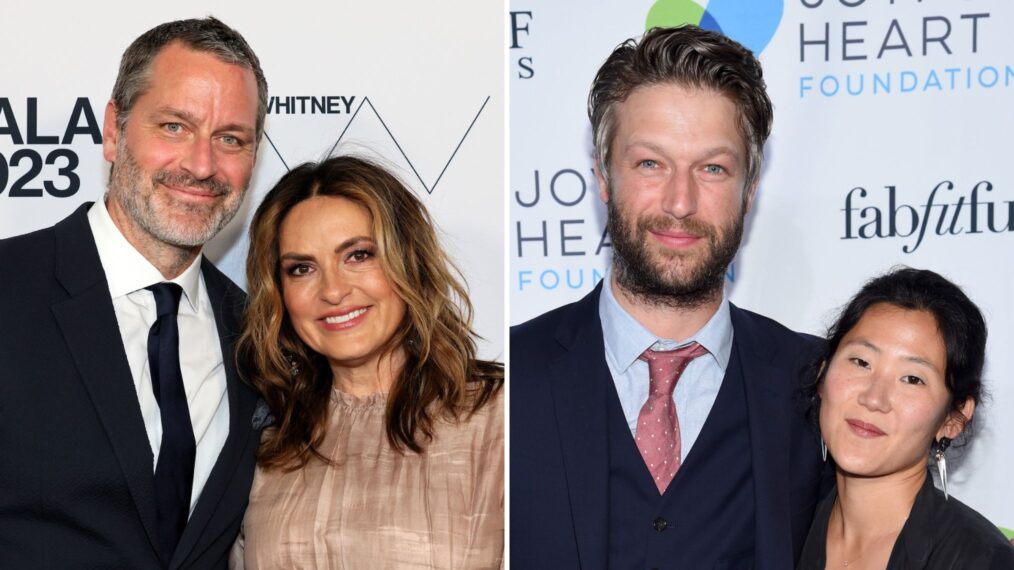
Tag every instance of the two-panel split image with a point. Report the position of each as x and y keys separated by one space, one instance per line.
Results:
x=653 y=284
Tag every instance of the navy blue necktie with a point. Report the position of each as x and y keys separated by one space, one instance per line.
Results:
x=174 y=472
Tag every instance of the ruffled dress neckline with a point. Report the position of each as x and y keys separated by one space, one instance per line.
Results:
x=352 y=402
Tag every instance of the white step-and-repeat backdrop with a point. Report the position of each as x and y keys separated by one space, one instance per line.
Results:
x=418 y=85
x=891 y=145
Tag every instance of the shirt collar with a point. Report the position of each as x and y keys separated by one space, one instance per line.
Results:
x=126 y=269
x=625 y=338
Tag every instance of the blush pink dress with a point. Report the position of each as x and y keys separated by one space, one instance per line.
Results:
x=378 y=508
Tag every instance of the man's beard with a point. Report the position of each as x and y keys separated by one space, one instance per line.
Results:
x=136 y=194
x=667 y=278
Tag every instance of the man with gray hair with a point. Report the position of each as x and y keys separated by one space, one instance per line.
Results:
x=652 y=422
x=127 y=436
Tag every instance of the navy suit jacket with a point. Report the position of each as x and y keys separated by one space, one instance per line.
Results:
x=76 y=474
x=560 y=388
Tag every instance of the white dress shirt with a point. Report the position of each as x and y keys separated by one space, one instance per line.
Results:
x=128 y=273
x=625 y=339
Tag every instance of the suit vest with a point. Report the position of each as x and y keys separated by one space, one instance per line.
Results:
x=707 y=513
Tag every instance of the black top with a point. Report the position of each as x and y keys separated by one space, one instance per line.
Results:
x=940 y=534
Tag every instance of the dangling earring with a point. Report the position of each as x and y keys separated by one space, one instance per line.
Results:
x=823 y=450
x=941 y=461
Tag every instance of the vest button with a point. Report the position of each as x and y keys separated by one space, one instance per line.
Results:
x=660 y=524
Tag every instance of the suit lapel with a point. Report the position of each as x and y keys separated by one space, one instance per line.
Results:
x=579 y=382
x=768 y=416
x=89 y=326
x=228 y=305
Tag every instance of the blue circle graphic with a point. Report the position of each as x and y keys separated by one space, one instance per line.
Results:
x=750 y=22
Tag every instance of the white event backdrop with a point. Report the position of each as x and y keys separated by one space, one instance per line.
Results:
x=891 y=145
x=417 y=85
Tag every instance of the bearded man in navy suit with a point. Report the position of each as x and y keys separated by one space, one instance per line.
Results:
x=700 y=459
x=127 y=437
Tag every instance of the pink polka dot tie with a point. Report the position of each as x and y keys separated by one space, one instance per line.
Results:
x=658 y=429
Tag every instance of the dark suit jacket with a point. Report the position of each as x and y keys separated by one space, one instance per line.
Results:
x=76 y=468
x=560 y=385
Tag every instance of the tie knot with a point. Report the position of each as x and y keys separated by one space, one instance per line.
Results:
x=666 y=366
x=167 y=298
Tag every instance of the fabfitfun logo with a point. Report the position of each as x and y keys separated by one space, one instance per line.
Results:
x=750 y=22
x=949 y=209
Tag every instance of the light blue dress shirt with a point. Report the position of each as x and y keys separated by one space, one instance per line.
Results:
x=695 y=393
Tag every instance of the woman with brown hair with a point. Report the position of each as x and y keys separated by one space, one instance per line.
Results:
x=386 y=448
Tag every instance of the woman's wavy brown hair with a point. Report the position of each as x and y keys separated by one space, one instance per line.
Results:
x=441 y=378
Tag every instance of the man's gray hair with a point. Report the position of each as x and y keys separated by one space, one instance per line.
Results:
x=208 y=35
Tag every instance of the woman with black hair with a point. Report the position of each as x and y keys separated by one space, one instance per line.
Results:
x=899 y=380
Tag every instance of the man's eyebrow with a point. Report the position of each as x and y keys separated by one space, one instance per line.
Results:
x=644 y=144
x=177 y=112
x=191 y=118
x=721 y=149
x=708 y=153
